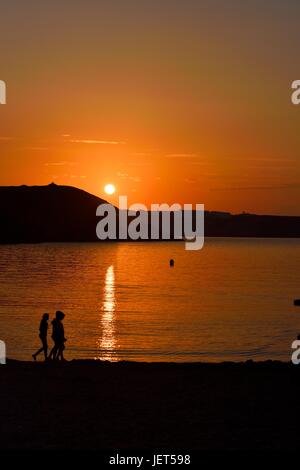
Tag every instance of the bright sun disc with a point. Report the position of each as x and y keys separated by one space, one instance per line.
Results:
x=110 y=189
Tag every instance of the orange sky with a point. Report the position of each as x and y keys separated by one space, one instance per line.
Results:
x=171 y=101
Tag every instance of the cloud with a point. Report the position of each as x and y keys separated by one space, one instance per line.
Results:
x=74 y=176
x=62 y=164
x=259 y=188
x=138 y=164
x=181 y=155
x=141 y=154
x=67 y=175
x=262 y=159
x=136 y=179
x=99 y=142
x=36 y=148
x=190 y=180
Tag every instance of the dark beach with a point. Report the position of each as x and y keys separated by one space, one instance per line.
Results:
x=94 y=405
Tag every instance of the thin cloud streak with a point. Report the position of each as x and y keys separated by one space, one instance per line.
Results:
x=99 y=142
x=62 y=164
x=259 y=188
x=182 y=155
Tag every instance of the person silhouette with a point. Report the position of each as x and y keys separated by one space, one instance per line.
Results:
x=43 y=337
x=58 y=336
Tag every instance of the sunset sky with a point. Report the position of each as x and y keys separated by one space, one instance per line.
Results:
x=171 y=101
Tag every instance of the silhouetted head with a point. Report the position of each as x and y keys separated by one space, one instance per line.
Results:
x=46 y=316
x=60 y=315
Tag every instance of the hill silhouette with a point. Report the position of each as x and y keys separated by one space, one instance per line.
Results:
x=34 y=214
x=52 y=213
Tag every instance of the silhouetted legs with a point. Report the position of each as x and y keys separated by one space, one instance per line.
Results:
x=44 y=349
x=60 y=354
x=54 y=351
x=57 y=352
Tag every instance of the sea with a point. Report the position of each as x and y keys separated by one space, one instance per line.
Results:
x=230 y=301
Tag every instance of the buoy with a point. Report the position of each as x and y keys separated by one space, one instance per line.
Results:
x=297 y=302
x=172 y=262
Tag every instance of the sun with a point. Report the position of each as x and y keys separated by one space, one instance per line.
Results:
x=110 y=189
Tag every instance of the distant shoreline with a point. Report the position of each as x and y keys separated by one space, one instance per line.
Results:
x=53 y=213
x=93 y=242
x=99 y=362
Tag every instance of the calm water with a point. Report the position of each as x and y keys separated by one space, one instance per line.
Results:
x=233 y=300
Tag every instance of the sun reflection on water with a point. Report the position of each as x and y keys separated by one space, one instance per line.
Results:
x=107 y=340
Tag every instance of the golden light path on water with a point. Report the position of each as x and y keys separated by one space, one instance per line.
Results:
x=107 y=341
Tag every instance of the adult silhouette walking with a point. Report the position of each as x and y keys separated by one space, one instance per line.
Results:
x=58 y=336
x=43 y=337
